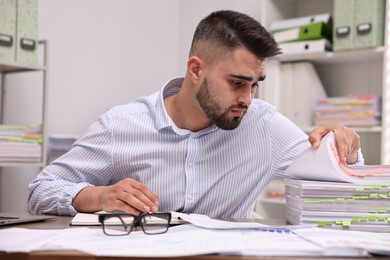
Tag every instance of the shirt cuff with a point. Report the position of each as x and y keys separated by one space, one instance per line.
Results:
x=360 y=159
x=64 y=206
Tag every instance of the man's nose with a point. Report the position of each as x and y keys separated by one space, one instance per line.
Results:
x=246 y=96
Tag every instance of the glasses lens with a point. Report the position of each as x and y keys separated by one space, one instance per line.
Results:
x=117 y=225
x=156 y=223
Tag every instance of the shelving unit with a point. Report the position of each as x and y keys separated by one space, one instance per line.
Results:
x=331 y=58
x=8 y=68
x=361 y=71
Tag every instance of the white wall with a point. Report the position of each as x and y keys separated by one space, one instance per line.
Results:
x=102 y=53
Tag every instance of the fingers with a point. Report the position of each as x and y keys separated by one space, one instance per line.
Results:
x=342 y=143
x=347 y=141
x=130 y=196
x=316 y=135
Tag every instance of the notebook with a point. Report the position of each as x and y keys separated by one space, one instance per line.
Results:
x=8 y=218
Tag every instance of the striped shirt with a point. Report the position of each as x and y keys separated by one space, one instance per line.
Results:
x=215 y=172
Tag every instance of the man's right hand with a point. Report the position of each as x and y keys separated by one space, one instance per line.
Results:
x=127 y=195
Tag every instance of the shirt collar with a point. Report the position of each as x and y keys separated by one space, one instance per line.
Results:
x=170 y=88
x=163 y=120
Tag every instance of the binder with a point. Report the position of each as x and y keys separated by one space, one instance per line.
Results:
x=308 y=89
x=358 y=24
x=343 y=13
x=303 y=89
x=369 y=21
x=286 y=105
x=7 y=30
x=311 y=31
x=301 y=47
x=300 y=21
x=27 y=32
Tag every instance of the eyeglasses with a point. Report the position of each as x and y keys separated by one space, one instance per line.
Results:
x=120 y=224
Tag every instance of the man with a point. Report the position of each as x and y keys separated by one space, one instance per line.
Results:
x=201 y=145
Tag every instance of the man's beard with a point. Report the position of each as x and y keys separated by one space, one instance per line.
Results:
x=210 y=108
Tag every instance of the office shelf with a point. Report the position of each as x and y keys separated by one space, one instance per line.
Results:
x=11 y=68
x=362 y=130
x=345 y=57
x=359 y=71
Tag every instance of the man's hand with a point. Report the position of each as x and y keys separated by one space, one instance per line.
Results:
x=347 y=141
x=127 y=195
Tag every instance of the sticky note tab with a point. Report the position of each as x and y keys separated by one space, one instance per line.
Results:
x=346 y=224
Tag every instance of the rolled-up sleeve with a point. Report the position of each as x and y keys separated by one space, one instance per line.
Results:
x=88 y=163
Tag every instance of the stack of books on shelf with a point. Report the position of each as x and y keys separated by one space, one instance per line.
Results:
x=304 y=34
x=352 y=110
x=327 y=193
x=20 y=143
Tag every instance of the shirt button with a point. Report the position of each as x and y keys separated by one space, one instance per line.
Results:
x=190 y=164
x=189 y=197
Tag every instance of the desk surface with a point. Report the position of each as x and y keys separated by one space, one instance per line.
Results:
x=60 y=222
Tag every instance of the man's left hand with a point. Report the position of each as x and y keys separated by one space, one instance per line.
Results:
x=347 y=141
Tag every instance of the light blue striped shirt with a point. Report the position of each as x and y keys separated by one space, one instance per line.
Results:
x=215 y=172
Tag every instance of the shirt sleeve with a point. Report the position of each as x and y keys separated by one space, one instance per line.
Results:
x=88 y=163
x=288 y=141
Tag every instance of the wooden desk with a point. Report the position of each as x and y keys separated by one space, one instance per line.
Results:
x=63 y=222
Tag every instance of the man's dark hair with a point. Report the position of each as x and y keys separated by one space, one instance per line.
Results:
x=224 y=31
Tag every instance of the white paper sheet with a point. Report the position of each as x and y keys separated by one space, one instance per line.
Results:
x=347 y=241
x=182 y=240
x=277 y=243
x=322 y=165
x=204 y=221
x=185 y=240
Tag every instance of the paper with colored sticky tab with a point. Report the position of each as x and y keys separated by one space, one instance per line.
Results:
x=323 y=164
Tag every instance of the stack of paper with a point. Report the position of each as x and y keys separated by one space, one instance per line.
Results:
x=351 y=110
x=303 y=34
x=339 y=205
x=334 y=195
x=20 y=143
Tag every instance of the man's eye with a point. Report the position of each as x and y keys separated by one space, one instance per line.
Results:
x=256 y=85
x=236 y=83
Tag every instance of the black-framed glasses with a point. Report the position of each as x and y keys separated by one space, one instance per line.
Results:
x=120 y=224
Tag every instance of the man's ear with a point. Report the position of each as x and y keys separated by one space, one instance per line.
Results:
x=195 y=67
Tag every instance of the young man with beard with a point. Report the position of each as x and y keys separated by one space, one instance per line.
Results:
x=202 y=144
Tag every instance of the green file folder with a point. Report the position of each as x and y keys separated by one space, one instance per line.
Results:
x=7 y=30
x=27 y=32
x=294 y=22
x=369 y=23
x=314 y=31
